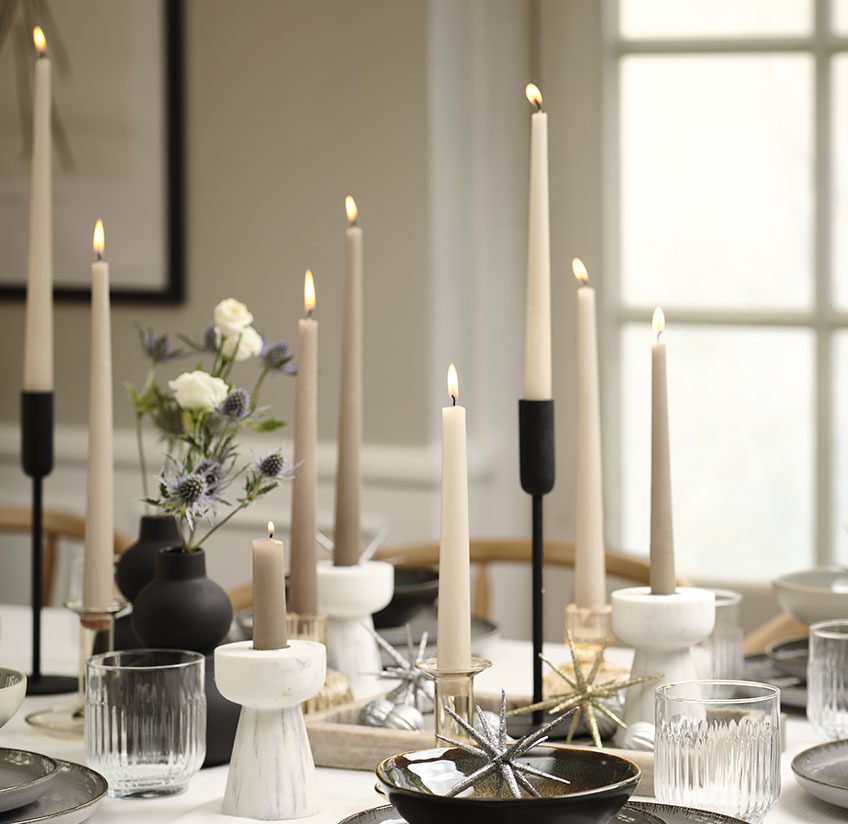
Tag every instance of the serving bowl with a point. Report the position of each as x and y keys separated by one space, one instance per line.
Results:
x=12 y=691
x=819 y=594
x=417 y=782
x=415 y=588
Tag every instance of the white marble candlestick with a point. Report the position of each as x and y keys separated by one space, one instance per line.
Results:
x=349 y=596
x=662 y=629
x=272 y=774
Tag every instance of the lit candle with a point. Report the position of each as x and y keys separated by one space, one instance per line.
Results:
x=269 y=593
x=348 y=478
x=589 y=566
x=662 y=535
x=537 y=330
x=99 y=528
x=38 y=338
x=454 y=610
x=303 y=579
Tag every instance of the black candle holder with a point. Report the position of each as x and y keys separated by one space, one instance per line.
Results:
x=37 y=461
x=538 y=473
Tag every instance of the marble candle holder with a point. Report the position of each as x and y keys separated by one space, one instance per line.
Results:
x=350 y=595
x=272 y=774
x=662 y=629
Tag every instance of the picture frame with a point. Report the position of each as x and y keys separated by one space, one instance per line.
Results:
x=127 y=156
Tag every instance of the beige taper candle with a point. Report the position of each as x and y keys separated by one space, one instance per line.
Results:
x=269 y=593
x=662 y=535
x=99 y=519
x=589 y=562
x=348 y=477
x=38 y=335
x=303 y=597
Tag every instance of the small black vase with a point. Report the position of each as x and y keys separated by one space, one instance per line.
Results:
x=183 y=609
x=137 y=566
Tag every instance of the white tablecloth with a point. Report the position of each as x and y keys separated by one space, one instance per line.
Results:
x=343 y=791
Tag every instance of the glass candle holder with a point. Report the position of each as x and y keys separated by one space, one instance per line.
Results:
x=719 y=656
x=827 y=679
x=717 y=746
x=145 y=720
x=454 y=690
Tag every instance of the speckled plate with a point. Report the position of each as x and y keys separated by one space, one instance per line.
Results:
x=635 y=812
x=790 y=656
x=823 y=771
x=24 y=776
x=70 y=798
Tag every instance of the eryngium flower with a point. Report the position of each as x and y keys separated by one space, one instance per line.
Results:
x=272 y=465
x=277 y=357
x=158 y=346
x=236 y=405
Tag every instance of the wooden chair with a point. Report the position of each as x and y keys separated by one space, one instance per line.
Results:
x=56 y=526
x=486 y=551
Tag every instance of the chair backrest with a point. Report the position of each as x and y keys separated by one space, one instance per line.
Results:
x=496 y=550
x=56 y=526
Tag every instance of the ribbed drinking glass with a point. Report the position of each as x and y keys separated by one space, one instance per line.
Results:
x=718 y=746
x=827 y=679
x=145 y=719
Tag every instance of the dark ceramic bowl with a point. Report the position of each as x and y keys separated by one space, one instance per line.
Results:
x=414 y=590
x=601 y=783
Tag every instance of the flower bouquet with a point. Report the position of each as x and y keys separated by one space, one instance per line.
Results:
x=200 y=415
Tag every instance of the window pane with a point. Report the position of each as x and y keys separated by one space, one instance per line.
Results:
x=840 y=16
x=703 y=18
x=716 y=181
x=840 y=440
x=840 y=181
x=742 y=439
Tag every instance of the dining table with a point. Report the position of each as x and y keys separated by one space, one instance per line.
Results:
x=343 y=792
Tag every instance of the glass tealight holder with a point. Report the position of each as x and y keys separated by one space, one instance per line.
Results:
x=720 y=656
x=827 y=679
x=336 y=689
x=454 y=690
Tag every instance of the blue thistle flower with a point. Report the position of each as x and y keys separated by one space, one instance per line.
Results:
x=236 y=405
x=273 y=465
x=158 y=347
x=277 y=357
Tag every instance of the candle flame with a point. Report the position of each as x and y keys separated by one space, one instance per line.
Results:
x=308 y=291
x=352 y=211
x=534 y=95
x=99 y=242
x=658 y=321
x=270 y=529
x=38 y=39
x=453 y=383
x=579 y=269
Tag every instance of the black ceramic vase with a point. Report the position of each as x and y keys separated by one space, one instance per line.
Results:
x=183 y=609
x=137 y=566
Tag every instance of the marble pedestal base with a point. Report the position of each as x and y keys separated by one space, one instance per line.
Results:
x=272 y=774
x=662 y=628
x=350 y=595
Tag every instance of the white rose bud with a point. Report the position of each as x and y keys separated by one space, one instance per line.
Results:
x=232 y=316
x=248 y=339
x=198 y=390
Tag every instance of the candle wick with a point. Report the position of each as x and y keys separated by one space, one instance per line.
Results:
x=309 y=315
x=99 y=256
x=659 y=333
x=453 y=398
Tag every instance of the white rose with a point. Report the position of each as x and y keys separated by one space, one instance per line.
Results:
x=198 y=390
x=232 y=315
x=248 y=339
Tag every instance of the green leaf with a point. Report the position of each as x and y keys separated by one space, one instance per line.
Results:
x=265 y=426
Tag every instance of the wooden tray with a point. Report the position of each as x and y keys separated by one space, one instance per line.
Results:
x=338 y=741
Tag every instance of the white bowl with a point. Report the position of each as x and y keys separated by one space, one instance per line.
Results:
x=819 y=594
x=13 y=686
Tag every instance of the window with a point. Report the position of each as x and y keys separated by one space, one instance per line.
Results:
x=731 y=164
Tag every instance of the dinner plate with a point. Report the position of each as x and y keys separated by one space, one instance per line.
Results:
x=823 y=771
x=24 y=776
x=790 y=656
x=70 y=798
x=793 y=690
x=634 y=812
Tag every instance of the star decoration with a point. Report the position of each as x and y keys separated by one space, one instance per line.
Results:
x=492 y=747
x=416 y=687
x=585 y=694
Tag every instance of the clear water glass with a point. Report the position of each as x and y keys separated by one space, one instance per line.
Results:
x=719 y=656
x=717 y=746
x=145 y=720
x=827 y=679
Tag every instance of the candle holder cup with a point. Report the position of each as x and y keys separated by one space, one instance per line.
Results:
x=663 y=629
x=272 y=773
x=454 y=690
x=96 y=635
x=590 y=627
x=336 y=689
x=349 y=595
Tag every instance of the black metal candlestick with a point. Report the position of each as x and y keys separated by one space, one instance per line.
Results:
x=536 y=457
x=37 y=461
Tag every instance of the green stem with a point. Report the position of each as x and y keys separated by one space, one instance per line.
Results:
x=220 y=524
x=254 y=396
x=141 y=459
